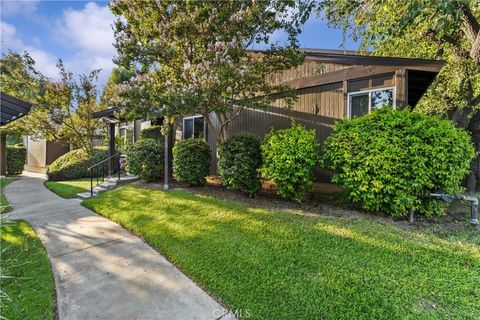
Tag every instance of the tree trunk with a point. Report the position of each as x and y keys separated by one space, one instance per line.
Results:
x=473 y=179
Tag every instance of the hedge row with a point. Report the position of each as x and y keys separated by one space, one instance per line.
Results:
x=16 y=159
x=389 y=160
x=74 y=164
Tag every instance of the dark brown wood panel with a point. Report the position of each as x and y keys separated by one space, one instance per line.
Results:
x=339 y=76
x=365 y=60
x=401 y=83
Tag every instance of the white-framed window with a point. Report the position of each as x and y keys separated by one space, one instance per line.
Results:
x=363 y=102
x=125 y=131
x=193 y=127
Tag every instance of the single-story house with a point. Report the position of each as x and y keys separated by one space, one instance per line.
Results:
x=331 y=85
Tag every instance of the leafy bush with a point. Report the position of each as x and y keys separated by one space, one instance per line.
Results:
x=240 y=159
x=289 y=157
x=153 y=132
x=74 y=164
x=146 y=158
x=391 y=159
x=191 y=161
x=16 y=158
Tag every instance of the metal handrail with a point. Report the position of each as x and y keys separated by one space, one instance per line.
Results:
x=96 y=164
x=103 y=167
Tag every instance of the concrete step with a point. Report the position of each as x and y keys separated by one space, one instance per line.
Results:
x=84 y=195
x=107 y=185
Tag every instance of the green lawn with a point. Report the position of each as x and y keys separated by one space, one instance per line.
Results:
x=275 y=265
x=3 y=202
x=68 y=189
x=31 y=286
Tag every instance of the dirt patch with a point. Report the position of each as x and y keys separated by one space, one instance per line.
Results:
x=324 y=201
x=328 y=200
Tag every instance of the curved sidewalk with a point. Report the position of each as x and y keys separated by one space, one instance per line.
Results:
x=101 y=270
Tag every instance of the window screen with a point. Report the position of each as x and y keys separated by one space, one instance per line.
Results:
x=198 y=127
x=187 y=128
x=193 y=127
x=358 y=105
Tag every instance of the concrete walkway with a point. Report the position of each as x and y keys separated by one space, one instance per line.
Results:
x=101 y=270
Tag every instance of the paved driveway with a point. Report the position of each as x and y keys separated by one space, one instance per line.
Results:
x=101 y=270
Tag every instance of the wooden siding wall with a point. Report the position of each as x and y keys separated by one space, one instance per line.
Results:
x=307 y=69
x=55 y=149
x=316 y=108
x=385 y=80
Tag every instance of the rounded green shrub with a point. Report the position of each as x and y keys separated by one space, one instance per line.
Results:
x=191 y=161
x=74 y=164
x=153 y=132
x=146 y=158
x=16 y=159
x=289 y=157
x=240 y=158
x=390 y=160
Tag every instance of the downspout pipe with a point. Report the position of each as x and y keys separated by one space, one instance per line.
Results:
x=473 y=200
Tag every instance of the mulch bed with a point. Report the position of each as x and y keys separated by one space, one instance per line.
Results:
x=326 y=200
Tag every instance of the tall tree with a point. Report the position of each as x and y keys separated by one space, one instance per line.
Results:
x=442 y=29
x=20 y=79
x=111 y=92
x=18 y=76
x=61 y=109
x=194 y=59
x=71 y=102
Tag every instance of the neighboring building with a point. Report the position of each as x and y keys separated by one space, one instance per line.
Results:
x=331 y=85
x=41 y=153
x=11 y=109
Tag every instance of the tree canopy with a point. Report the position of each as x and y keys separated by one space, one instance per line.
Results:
x=61 y=110
x=118 y=76
x=194 y=57
x=448 y=30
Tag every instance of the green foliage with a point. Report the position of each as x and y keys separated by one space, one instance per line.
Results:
x=425 y=29
x=14 y=138
x=74 y=164
x=289 y=157
x=390 y=160
x=4 y=206
x=240 y=159
x=146 y=158
x=16 y=159
x=61 y=110
x=207 y=68
x=153 y=132
x=191 y=161
x=19 y=77
x=354 y=268
x=110 y=96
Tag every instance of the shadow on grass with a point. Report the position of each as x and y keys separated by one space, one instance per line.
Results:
x=284 y=266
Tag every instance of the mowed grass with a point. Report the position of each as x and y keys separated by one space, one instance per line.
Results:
x=3 y=201
x=276 y=265
x=28 y=280
x=70 y=188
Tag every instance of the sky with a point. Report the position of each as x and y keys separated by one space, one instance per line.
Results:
x=80 y=33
